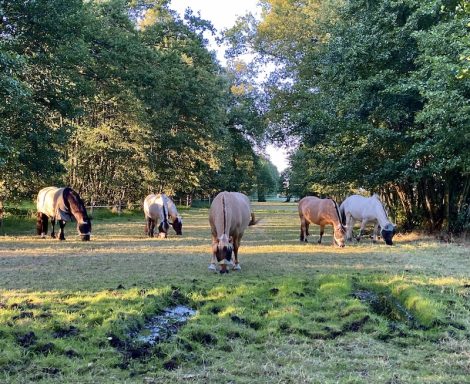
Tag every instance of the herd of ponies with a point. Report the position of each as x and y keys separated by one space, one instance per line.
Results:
x=229 y=216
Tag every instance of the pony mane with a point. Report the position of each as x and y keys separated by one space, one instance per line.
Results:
x=74 y=203
x=338 y=213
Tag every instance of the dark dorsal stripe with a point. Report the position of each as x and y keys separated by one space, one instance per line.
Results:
x=223 y=207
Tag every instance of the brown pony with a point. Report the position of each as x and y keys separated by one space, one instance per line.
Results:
x=313 y=210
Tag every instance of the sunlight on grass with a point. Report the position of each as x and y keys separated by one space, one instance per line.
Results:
x=228 y=311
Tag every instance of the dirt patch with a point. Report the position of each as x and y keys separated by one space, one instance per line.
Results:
x=24 y=315
x=27 y=339
x=204 y=338
x=357 y=325
x=69 y=331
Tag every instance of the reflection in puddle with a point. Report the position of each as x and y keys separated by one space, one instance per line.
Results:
x=161 y=327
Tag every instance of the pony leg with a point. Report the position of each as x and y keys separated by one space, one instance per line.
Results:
x=303 y=229
x=361 y=232
x=62 y=226
x=53 y=228
x=146 y=229
x=376 y=231
x=236 y=245
x=349 y=227
x=322 y=231
x=151 y=227
x=213 y=263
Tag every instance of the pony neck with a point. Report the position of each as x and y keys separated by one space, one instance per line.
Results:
x=77 y=209
x=380 y=213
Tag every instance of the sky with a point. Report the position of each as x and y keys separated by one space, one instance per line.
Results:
x=223 y=14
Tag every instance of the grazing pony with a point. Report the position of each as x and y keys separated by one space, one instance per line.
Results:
x=176 y=221
x=61 y=204
x=156 y=213
x=366 y=210
x=313 y=210
x=230 y=214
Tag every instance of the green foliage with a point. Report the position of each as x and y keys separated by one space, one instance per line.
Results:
x=377 y=96
x=116 y=99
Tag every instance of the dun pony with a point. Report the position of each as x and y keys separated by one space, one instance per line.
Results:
x=61 y=204
x=230 y=214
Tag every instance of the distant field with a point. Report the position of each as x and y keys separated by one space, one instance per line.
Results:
x=296 y=313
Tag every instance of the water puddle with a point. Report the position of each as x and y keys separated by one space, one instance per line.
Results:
x=162 y=327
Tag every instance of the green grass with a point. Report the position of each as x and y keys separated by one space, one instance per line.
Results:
x=296 y=313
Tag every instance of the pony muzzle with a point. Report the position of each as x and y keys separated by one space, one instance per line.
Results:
x=85 y=236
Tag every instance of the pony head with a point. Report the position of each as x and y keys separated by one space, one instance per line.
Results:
x=84 y=229
x=163 y=229
x=178 y=226
x=387 y=233
x=339 y=235
x=222 y=250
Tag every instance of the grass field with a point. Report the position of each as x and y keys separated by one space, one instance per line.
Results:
x=296 y=313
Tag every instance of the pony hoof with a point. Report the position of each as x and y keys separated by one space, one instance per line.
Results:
x=212 y=268
x=237 y=267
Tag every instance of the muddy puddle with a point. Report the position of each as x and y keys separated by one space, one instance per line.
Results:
x=161 y=327
x=387 y=306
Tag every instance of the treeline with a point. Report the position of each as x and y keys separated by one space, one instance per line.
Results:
x=377 y=94
x=119 y=98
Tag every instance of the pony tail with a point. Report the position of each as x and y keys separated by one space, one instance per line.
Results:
x=42 y=223
x=165 y=213
x=343 y=217
x=39 y=224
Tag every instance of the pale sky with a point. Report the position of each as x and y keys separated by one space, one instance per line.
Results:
x=223 y=14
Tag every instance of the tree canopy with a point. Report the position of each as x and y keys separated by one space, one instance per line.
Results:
x=118 y=98
x=377 y=95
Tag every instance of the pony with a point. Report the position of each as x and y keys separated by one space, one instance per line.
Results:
x=176 y=221
x=366 y=210
x=229 y=215
x=156 y=212
x=313 y=210
x=61 y=204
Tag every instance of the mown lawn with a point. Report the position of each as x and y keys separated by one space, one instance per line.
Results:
x=296 y=313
